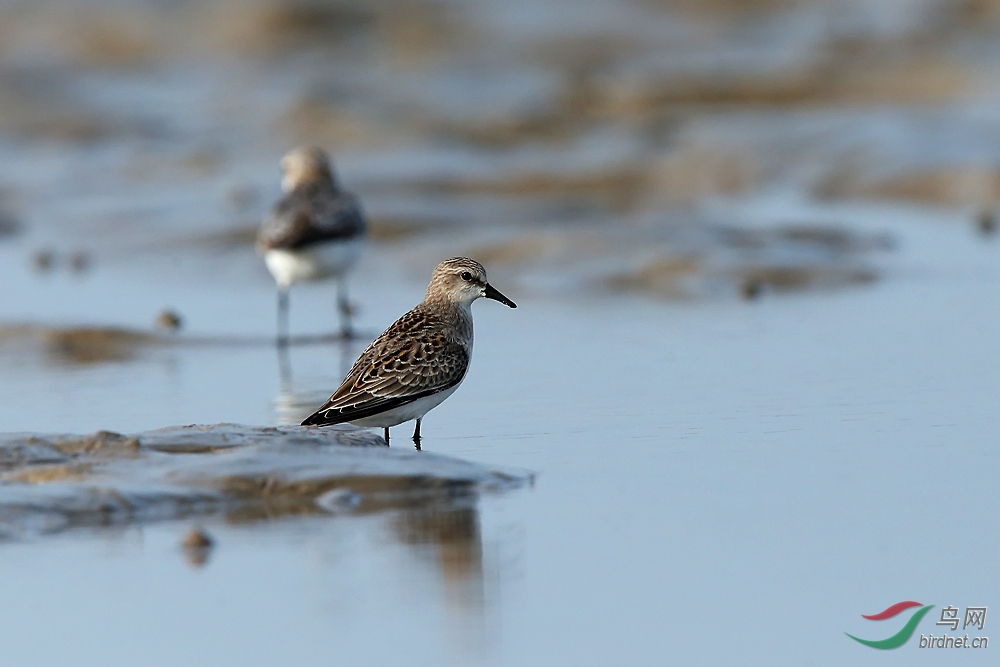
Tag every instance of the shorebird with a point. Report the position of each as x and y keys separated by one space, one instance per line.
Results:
x=417 y=362
x=315 y=231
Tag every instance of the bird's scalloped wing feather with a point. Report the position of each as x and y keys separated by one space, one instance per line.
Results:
x=412 y=359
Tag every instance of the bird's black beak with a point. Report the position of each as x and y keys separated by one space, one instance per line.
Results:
x=493 y=293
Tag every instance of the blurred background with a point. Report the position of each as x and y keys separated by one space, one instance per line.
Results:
x=751 y=242
x=575 y=145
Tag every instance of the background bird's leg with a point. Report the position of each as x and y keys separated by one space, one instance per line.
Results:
x=344 y=308
x=386 y=436
x=416 y=436
x=284 y=366
x=282 y=316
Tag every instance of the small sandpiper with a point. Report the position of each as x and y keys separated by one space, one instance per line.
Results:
x=417 y=362
x=315 y=231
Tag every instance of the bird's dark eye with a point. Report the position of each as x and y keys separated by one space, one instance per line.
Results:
x=466 y=275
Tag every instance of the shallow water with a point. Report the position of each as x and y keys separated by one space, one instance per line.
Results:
x=717 y=482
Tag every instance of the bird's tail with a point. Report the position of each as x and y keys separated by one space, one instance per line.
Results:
x=320 y=418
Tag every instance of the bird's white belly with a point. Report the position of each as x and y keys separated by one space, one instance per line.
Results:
x=408 y=412
x=331 y=259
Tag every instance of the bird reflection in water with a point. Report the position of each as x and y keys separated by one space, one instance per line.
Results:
x=439 y=532
x=292 y=405
x=448 y=537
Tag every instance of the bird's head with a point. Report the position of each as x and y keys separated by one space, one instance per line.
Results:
x=307 y=164
x=462 y=280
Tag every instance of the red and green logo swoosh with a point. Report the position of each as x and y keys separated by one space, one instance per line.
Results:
x=903 y=635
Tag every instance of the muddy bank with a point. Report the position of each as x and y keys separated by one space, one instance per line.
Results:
x=83 y=345
x=51 y=483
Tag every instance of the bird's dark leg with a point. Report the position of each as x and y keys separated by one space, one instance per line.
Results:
x=416 y=436
x=282 y=316
x=344 y=309
x=386 y=436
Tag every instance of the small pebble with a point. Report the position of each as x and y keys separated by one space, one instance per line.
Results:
x=750 y=289
x=197 y=539
x=169 y=320
x=43 y=260
x=79 y=261
x=197 y=545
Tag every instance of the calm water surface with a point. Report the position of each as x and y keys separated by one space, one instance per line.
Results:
x=718 y=483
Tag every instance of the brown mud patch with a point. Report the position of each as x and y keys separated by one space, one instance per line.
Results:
x=686 y=278
x=95 y=345
x=903 y=82
x=946 y=185
x=240 y=472
x=90 y=345
x=621 y=183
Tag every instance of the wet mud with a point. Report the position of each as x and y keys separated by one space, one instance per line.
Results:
x=85 y=345
x=53 y=483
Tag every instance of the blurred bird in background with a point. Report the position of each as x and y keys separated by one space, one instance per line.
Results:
x=316 y=231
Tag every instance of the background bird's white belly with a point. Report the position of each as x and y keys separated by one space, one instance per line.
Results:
x=322 y=260
x=408 y=412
